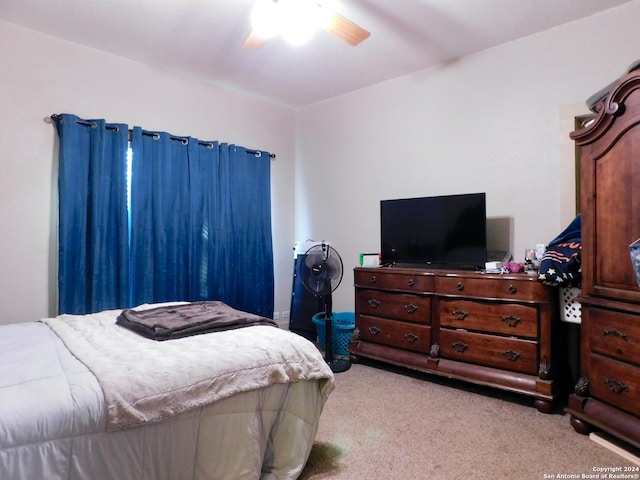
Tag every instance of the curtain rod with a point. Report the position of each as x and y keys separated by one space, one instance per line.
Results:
x=257 y=153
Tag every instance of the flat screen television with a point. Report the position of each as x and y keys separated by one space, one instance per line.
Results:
x=447 y=231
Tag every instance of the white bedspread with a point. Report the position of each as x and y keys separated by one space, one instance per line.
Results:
x=147 y=381
x=44 y=391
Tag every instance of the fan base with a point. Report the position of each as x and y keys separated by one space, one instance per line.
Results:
x=339 y=366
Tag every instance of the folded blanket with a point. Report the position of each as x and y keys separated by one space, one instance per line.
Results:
x=177 y=321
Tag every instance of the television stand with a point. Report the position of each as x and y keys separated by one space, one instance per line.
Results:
x=492 y=330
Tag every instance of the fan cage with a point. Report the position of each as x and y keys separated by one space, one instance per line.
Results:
x=322 y=269
x=342 y=328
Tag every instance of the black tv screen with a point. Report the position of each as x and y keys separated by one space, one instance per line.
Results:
x=447 y=231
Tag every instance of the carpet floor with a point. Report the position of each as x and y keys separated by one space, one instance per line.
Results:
x=392 y=424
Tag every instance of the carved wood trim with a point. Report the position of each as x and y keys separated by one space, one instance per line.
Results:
x=582 y=386
x=356 y=334
x=544 y=370
x=607 y=110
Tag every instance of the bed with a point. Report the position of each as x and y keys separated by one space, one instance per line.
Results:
x=82 y=397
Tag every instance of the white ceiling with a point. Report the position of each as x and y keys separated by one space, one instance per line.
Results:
x=204 y=38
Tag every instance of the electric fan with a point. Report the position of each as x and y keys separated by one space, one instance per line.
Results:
x=321 y=273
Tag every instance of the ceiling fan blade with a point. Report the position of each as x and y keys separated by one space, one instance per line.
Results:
x=345 y=29
x=254 y=41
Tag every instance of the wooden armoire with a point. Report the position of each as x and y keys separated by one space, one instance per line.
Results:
x=607 y=395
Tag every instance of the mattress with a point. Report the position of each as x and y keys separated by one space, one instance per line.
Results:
x=53 y=423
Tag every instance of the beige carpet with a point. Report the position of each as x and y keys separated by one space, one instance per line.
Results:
x=381 y=424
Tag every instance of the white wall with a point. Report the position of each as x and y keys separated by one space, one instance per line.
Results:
x=41 y=75
x=495 y=122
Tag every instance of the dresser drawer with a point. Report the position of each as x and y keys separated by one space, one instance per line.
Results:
x=408 y=336
x=504 y=318
x=490 y=350
x=615 y=382
x=614 y=334
x=501 y=288
x=379 y=278
x=403 y=306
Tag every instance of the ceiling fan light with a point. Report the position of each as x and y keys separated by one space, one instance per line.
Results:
x=297 y=34
x=266 y=19
x=324 y=17
x=300 y=20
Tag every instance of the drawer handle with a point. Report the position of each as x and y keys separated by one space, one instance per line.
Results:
x=374 y=330
x=411 y=282
x=459 y=314
x=615 y=385
x=460 y=286
x=512 y=289
x=374 y=303
x=411 y=337
x=511 y=320
x=459 y=346
x=411 y=308
x=373 y=279
x=511 y=355
x=616 y=333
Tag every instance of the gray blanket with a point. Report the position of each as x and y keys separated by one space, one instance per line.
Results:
x=177 y=321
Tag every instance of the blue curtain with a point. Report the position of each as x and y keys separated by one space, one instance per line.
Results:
x=250 y=217
x=200 y=223
x=198 y=226
x=92 y=224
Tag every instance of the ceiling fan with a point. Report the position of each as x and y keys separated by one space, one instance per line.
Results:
x=296 y=20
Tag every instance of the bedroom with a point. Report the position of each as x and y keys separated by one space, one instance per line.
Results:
x=44 y=75
x=512 y=104
x=514 y=141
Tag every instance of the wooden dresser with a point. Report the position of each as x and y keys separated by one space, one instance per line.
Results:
x=493 y=330
x=607 y=396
